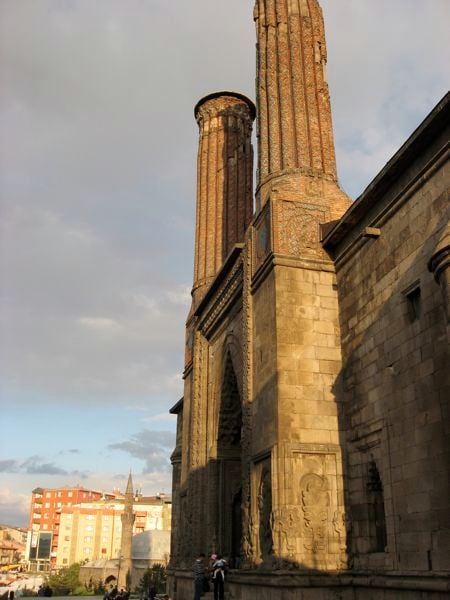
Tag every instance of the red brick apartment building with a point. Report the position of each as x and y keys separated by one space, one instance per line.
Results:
x=45 y=513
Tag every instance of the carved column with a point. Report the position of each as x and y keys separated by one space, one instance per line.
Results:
x=295 y=131
x=224 y=182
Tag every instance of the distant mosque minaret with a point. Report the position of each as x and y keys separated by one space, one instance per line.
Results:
x=127 y=518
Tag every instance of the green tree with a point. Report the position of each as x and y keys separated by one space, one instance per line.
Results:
x=65 y=581
x=155 y=575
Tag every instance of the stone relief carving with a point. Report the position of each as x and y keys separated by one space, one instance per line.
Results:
x=230 y=419
x=222 y=301
x=340 y=529
x=247 y=546
x=298 y=226
x=285 y=528
x=264 y=502
x=315 y=500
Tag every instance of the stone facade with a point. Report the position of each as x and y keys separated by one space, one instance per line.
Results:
x=312 y=439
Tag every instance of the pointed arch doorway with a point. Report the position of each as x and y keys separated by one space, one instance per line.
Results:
x=229 y=491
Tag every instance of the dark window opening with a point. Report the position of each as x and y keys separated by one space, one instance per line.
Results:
x=414 y=304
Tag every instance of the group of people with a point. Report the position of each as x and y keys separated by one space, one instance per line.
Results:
x=45 y=591
x=213 y=571
x=115 y=594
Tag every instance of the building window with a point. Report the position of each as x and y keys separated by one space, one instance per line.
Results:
x=413 y=302
x=47 y=505
x=59 y=494
x=90 y=517
x=66 y=538
x=106 y=517
x=104 y=540
x=70 y=494
x=87 y=539
x=48 y=495
x=87 y=550
x=89 y=528
x=105 y=528
x=64 y=560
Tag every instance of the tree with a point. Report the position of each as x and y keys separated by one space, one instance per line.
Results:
x=66 y=580
x=155 y=575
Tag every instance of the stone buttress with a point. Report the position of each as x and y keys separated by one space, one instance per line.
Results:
x=296 y=511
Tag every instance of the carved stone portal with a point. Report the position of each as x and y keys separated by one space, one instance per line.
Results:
x=230 y=467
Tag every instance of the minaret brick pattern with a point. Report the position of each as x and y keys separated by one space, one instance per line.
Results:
x=127 y=518
x=294 y=115
x=224 y=181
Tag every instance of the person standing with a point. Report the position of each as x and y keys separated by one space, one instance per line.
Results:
x=218 y=577
x=199 y=574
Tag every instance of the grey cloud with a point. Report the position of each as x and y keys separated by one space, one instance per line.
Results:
x=152 y=447
x=34 y=466
x=98 y=151
x=9 y=466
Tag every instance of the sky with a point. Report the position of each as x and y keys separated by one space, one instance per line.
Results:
x=97 y=206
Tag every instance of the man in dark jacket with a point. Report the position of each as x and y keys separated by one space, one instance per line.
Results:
x=198 y=571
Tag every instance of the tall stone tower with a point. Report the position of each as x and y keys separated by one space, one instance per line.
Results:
x=224 y=181
x=127 y=518
x=224 y=212
x=295 y=486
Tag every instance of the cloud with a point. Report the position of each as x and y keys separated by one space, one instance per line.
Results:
x=14 y=507
x=98 y=167
x=9 y=466
x=35 y=465
x=151 y=447
x=380 y=92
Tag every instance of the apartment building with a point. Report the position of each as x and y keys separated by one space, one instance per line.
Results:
x=92 y=530
x=44 y=521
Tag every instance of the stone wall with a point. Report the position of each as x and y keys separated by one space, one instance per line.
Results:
x=396 y=373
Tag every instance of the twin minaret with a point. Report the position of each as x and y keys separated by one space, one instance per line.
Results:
x=294 y=116
x=295 y=136
x=224 y=181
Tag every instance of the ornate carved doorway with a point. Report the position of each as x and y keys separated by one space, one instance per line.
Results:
x=230 y=469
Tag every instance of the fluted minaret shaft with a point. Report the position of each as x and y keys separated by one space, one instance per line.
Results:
x=224 y=181
x=294 y=115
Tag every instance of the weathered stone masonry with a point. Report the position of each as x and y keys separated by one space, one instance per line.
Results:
x=313 y=435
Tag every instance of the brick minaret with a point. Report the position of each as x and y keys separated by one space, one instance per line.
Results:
x=127 y=518
x=295 y=317
x=224 y=181
x=294 y=116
